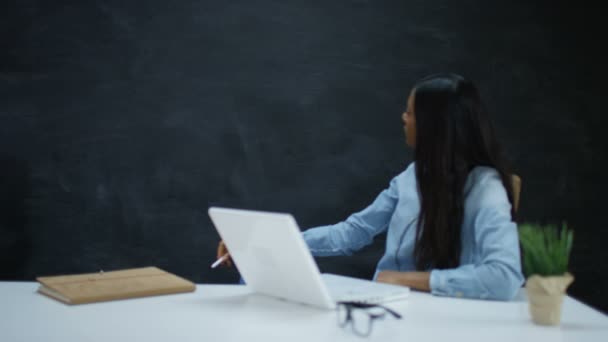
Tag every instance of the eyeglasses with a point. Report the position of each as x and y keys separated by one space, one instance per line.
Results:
x=361 y=316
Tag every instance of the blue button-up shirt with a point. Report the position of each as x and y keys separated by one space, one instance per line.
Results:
x=490 y=265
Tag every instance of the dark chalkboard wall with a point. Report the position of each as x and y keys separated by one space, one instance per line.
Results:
x=122 y=122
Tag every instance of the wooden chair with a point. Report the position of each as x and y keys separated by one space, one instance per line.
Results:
x=516 y=190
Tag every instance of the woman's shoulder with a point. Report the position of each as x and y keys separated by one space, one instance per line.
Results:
x=484 y=188
x=408 y=174
x=405 y=180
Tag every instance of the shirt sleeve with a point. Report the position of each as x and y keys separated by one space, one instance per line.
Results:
x=498 y=273
x=358 y=230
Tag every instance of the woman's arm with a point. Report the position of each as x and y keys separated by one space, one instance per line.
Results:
x=497 y=272
x=358 y=230
x=497 y=275
x=416 y=280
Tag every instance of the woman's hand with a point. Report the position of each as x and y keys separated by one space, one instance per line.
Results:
x=222 y=251
x=416 y=280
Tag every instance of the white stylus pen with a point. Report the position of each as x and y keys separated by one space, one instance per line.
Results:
x=220 y=260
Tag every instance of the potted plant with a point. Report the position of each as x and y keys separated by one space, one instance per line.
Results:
x=546 y=252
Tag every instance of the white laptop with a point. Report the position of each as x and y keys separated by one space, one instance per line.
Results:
x=270 y=253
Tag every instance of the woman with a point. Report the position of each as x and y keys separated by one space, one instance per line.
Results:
x=448 y=216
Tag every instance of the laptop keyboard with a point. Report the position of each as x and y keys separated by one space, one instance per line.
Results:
x=350 y=289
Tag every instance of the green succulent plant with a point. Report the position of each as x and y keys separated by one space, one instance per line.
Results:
x=545 y=248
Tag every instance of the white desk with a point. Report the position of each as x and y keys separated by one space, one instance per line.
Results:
x=230 y=313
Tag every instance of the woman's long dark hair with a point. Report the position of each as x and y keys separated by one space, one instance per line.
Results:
x=453 y=135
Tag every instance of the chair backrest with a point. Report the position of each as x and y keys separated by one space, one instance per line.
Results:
x=516 y=182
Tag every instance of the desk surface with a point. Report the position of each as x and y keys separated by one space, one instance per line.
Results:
x=231 y=313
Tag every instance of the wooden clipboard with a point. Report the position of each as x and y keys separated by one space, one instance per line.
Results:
x=106 y=286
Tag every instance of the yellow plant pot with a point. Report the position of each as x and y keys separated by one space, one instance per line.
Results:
x=545 y=297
